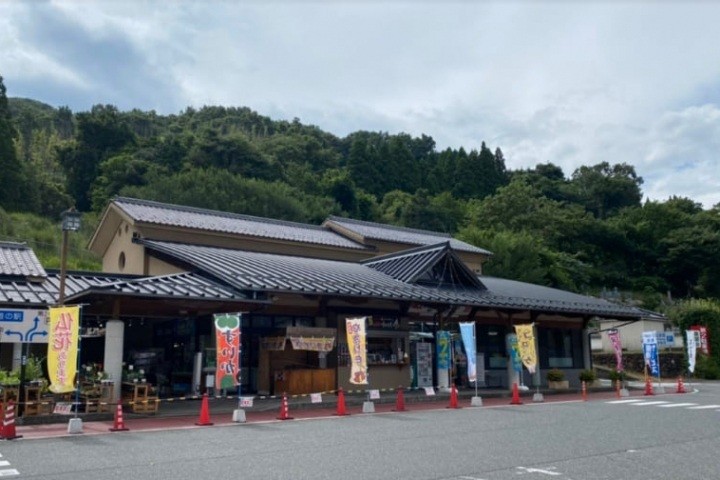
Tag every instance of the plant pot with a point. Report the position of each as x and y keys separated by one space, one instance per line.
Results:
x=559 y=384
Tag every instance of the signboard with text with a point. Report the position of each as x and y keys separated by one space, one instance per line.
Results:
x=23 y=325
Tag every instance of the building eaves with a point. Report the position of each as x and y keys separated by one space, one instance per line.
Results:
x=408 y=236
x=156 y=213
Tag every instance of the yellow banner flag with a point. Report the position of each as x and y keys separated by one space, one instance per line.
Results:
x=355 y=328
x=526 y=345
x=63 y=348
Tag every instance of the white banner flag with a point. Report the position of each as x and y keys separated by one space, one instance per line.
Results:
x=691 y=349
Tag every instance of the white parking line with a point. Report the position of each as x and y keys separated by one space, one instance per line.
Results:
x=9 y=472
x=645 y=404
x=633 y=400
x=704 y=407
x=672 y=405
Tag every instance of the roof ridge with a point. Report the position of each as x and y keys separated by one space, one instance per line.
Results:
x=18 y=245
x=390 y=226
x=216 y=213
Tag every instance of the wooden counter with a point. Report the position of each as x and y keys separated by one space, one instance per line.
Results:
x=301 y=381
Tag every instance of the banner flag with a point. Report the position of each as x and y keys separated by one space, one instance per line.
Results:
x=355 y=328
x=227 y=334
x=650 y=352
x=704 y=344
x=63 y=348
x=614 y=336
x=691 y=349
x=512 y=345
x=526 y=345
x=467 y=331
x=443 y=350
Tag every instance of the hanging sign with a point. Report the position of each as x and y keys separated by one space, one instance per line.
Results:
x=443 y=350
x=526 y=345
x=314 y=344
x=355 y=328
x=467 y=330
x=63 y=348
x=614 y=336
x=227 y=335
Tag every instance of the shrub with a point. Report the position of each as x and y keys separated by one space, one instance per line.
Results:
x=587 y=376
x=707 y=368
x=614 y=375
x=555 y=375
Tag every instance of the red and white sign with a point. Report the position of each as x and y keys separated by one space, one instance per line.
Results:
x=704 y=339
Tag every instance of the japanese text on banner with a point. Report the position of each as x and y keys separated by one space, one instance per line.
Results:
x=355 y=328
x=526 y=345
x=467 y=330
x=227 y=335
x=63 y=348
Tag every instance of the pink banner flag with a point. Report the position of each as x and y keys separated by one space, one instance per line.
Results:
x=614 y=336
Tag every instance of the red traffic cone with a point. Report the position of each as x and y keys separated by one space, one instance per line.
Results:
x=119 y=423
x=284 y=409
x=648 y=387
x=515 y=395
x=400 y=401
x=204 y=419
x=8 y=425
x=680 y=386
x=341 y=410
x=584 y=391
x=453 y=397
x=617 y=389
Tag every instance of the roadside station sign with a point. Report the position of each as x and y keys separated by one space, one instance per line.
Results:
x=23 y=326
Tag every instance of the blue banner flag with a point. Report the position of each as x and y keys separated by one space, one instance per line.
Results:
x=443 y=350
x=467 y=330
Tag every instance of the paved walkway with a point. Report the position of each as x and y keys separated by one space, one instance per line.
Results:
x=186 y=414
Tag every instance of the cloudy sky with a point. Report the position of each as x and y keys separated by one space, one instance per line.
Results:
x=573 y=83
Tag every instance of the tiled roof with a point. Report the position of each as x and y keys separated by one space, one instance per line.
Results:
x=410 y=236
x=19 y=260
x=410 y=266
x=180 y=286
x=280 y=273
x=212 y=220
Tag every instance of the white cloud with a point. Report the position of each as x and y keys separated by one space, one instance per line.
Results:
x=574 y=84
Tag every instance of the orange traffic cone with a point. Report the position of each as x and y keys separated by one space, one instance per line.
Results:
x=400 y=401
x=341 y=410
x=617 y=389
x=648 y=387
x=119 y=423
x=584 y=391
x=8 y=425
x=680 y=386
x=284 y=409
x=453 y=397
x=204 y=419
x=515 y=395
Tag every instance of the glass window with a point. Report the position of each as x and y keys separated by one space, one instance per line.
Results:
x=491 y=342
x=560 y=347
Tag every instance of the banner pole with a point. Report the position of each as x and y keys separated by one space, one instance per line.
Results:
x=77 y=364
x=476 y=366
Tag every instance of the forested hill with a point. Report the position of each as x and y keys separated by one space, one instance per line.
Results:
x=584 y=232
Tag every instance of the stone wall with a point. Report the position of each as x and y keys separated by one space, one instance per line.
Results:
x=672 y=364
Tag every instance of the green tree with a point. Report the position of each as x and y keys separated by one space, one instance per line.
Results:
x=606 y=189
x=13 y=181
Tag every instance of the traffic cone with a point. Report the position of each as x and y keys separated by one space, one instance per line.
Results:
x=453 y=397
x=284 y=409
x=515 y=395
x=617 y=388
x=8 y=426
x=204 y=419
x=648 y=387
x=584 y=391
x=119 y=423
x=680 y=386
x=400 y=401
x=341 y=410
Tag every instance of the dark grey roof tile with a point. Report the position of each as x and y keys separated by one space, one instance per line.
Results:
x=19 y=260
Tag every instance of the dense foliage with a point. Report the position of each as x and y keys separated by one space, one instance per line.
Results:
x=586 y=232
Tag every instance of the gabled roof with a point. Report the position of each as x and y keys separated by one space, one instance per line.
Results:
x=434 y=265
x=150 y=212
x=391 y=233
x=19 y=260
x=246 y=270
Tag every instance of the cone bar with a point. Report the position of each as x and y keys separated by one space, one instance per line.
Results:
x=515 y=395
x=119 y=423
x=284 y=409
x=204 y=419
x=341 y=410
x=400 y=401
x=8 y=425
x=453 y=397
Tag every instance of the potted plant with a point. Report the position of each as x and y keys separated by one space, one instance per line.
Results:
x=556 y=379
x=587 y=376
